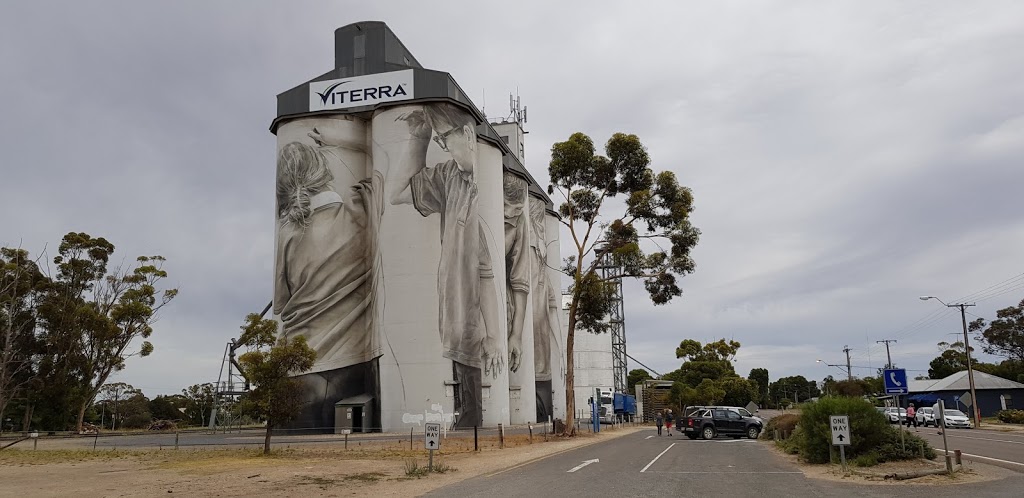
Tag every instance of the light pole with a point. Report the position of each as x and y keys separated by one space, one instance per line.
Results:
x=849 y=372
x=967 y=351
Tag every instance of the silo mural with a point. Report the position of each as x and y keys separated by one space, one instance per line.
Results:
x=409 y=256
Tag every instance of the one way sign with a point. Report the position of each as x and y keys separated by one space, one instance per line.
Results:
x=432 y=436
x=840 y=430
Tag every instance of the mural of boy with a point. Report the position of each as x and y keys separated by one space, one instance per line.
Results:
x=467 y=296
x=517 y=263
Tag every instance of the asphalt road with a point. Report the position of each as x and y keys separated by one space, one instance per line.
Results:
x=984 y=446
x=644 y=464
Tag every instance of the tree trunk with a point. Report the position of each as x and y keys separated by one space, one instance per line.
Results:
x=27 y=420
x=266 y=442
x=81 y=416
x=570 y=376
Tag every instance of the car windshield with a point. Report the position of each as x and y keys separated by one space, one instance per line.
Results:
x=954 y=413
x=744 y=412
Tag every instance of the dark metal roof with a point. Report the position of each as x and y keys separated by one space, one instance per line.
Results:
x=370 y=47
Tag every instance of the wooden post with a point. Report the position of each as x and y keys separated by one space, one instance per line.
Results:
x=476 y=441
x=501 y=437
x=175 y=440
x=410 y=439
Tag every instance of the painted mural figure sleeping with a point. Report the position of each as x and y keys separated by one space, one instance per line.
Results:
x=467 y=296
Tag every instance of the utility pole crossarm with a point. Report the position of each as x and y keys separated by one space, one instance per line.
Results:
x=887 y=354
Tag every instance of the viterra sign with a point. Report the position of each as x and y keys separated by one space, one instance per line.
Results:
x=361 y=91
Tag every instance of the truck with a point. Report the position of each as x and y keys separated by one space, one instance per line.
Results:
x=625 y=407
x=709 y=423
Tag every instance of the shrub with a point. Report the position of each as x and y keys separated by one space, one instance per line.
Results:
x=868 y=460
x=1011 y=416
x=791 y=445
x=783 y=423
x=891 y=449
x=869 y=429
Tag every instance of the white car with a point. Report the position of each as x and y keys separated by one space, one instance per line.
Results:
x=956 y=419
x=926 y=416
x=896 y=415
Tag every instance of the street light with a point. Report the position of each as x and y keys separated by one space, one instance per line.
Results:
x=849 y=373
x=967 y=351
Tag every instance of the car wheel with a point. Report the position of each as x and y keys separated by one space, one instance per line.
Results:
x=708 y=433
x=753 y=432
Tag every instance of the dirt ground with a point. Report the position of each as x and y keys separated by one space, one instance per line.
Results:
x=381 y=469
x=967 y=473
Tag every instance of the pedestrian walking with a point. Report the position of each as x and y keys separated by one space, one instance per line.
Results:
x=668 y=421
x=659 y=419
x=911 y=417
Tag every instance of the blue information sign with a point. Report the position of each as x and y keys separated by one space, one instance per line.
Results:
x=895 y=381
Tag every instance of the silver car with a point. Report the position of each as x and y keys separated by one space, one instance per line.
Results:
x=926 y=416
x=896 y=415
x=956 y=419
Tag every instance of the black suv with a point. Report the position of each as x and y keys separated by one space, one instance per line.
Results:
x=709 y=423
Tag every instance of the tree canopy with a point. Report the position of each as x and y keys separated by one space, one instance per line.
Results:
x=77 y=322
x=268 y=365
x=1005 y=335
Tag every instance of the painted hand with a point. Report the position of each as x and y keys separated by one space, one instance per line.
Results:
x=493 y=361
x=418 y=125
x=515 y=356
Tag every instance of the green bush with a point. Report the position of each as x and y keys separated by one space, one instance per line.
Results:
x=869 y=460
x=1011 y=416
x=783 y=423
x=891 y=449
x=791 y=445
x=869 y=429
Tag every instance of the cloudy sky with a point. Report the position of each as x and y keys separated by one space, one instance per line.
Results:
x=846 y=157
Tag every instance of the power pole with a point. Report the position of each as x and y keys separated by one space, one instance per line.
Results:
x=849 y=369
x=887 y=355
x=970 y=370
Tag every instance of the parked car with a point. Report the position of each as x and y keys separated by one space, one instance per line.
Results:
x=709 y=423
x=896 y=415
x=956 y=419
x=926 y=416
x=738 y=409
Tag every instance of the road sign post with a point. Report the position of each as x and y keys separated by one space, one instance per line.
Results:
x=940 y=419
x=840 y=425
x=431 y=441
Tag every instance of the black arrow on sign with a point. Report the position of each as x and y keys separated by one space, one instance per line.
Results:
x=841 y=437
x=432 y=443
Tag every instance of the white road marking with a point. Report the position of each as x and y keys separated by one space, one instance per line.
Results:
x=968 y=455
x=727 y=472
x=648 y=437
x=656 y=458
x=584 y=464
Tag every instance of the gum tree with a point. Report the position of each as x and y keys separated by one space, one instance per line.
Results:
x=20 y=285
x=268 y=366
x=617 y=205
x=91 y=318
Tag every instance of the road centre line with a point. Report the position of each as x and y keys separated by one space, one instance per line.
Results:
x=656 y=458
